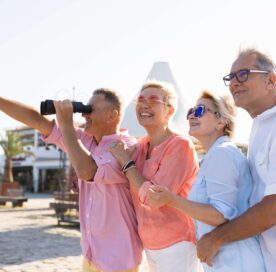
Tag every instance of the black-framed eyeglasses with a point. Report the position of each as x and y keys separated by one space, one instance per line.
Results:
x=199 y=110
x=241 y=75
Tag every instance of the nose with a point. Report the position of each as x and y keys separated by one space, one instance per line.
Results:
x=234 y=81
x=191 y=119
x=144 y=105
x=191 y=116
x=233 y=84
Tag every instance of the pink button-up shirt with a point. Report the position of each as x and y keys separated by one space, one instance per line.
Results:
x=172 y=164
x=109 y=235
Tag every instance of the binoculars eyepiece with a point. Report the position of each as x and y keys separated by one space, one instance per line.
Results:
x=47 y=107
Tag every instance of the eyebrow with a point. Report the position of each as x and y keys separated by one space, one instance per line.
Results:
x=151 y=95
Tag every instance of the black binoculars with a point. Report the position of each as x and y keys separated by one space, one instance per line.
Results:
x=47 y=107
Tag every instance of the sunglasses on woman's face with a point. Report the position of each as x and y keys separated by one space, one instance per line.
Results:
x=150 y=100
x=199 y=110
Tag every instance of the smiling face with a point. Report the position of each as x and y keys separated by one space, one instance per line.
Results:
x=253 y=94
x=151 y=109
x=208 y=126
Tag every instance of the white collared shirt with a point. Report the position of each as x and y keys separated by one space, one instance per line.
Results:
x=262 y=163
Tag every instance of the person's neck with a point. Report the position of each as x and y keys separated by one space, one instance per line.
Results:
x=254 y=111
x=98 y=137
x=157 y=136
x=209 y=140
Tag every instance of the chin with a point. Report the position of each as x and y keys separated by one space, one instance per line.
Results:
x=239 y=103
x=144 y=123
x=192 y=133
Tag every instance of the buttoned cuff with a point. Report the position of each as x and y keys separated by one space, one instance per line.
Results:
x=143 y=191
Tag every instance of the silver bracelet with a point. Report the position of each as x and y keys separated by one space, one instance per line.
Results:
x=130 y=167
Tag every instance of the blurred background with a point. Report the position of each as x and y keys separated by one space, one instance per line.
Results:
x=64 y=49
x=60 y=49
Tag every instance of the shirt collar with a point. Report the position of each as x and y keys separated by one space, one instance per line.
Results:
x=113 y=137
x=217 y=142
x=266 y=114
x=145 y=141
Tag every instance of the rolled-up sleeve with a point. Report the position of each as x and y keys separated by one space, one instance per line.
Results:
x=109 y=170
x=54 y=137
x=222 y=175
x=143 y=191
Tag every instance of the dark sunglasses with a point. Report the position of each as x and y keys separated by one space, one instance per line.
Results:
x=241 y=75
x=199 y=110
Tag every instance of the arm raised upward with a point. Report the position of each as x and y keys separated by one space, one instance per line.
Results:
x=26 y=115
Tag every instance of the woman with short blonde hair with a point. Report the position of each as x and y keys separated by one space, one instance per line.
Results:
x=168 y=159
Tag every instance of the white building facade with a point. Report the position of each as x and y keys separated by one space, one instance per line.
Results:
x=44 y=170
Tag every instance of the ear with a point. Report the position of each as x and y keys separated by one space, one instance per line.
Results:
x=170 y=111
x=113 y=115
x=221 y=124
x=271 y=84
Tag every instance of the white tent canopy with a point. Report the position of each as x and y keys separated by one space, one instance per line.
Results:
x=160 y=71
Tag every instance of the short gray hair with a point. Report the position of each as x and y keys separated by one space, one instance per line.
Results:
x=112 y=97
x=263 y=61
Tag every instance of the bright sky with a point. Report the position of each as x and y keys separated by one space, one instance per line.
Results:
x=50 y=48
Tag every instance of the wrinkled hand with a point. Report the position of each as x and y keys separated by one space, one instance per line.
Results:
x=121 y=152
x=207 y=247
x=64 y=112
x=158 y=196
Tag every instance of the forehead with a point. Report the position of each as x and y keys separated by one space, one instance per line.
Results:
x=96 y=98
x=98 y=101
x=205 y=101
x=152 y=91
x=244 y=62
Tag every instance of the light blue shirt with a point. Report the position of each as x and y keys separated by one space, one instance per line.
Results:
x=224 y=181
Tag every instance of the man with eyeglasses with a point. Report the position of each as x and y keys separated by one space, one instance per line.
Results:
x=252 y=83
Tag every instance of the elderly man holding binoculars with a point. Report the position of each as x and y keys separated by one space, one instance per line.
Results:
x=109 y=236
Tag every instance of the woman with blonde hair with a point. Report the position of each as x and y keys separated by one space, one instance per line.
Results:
x=223 y=185
x=165 y=158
